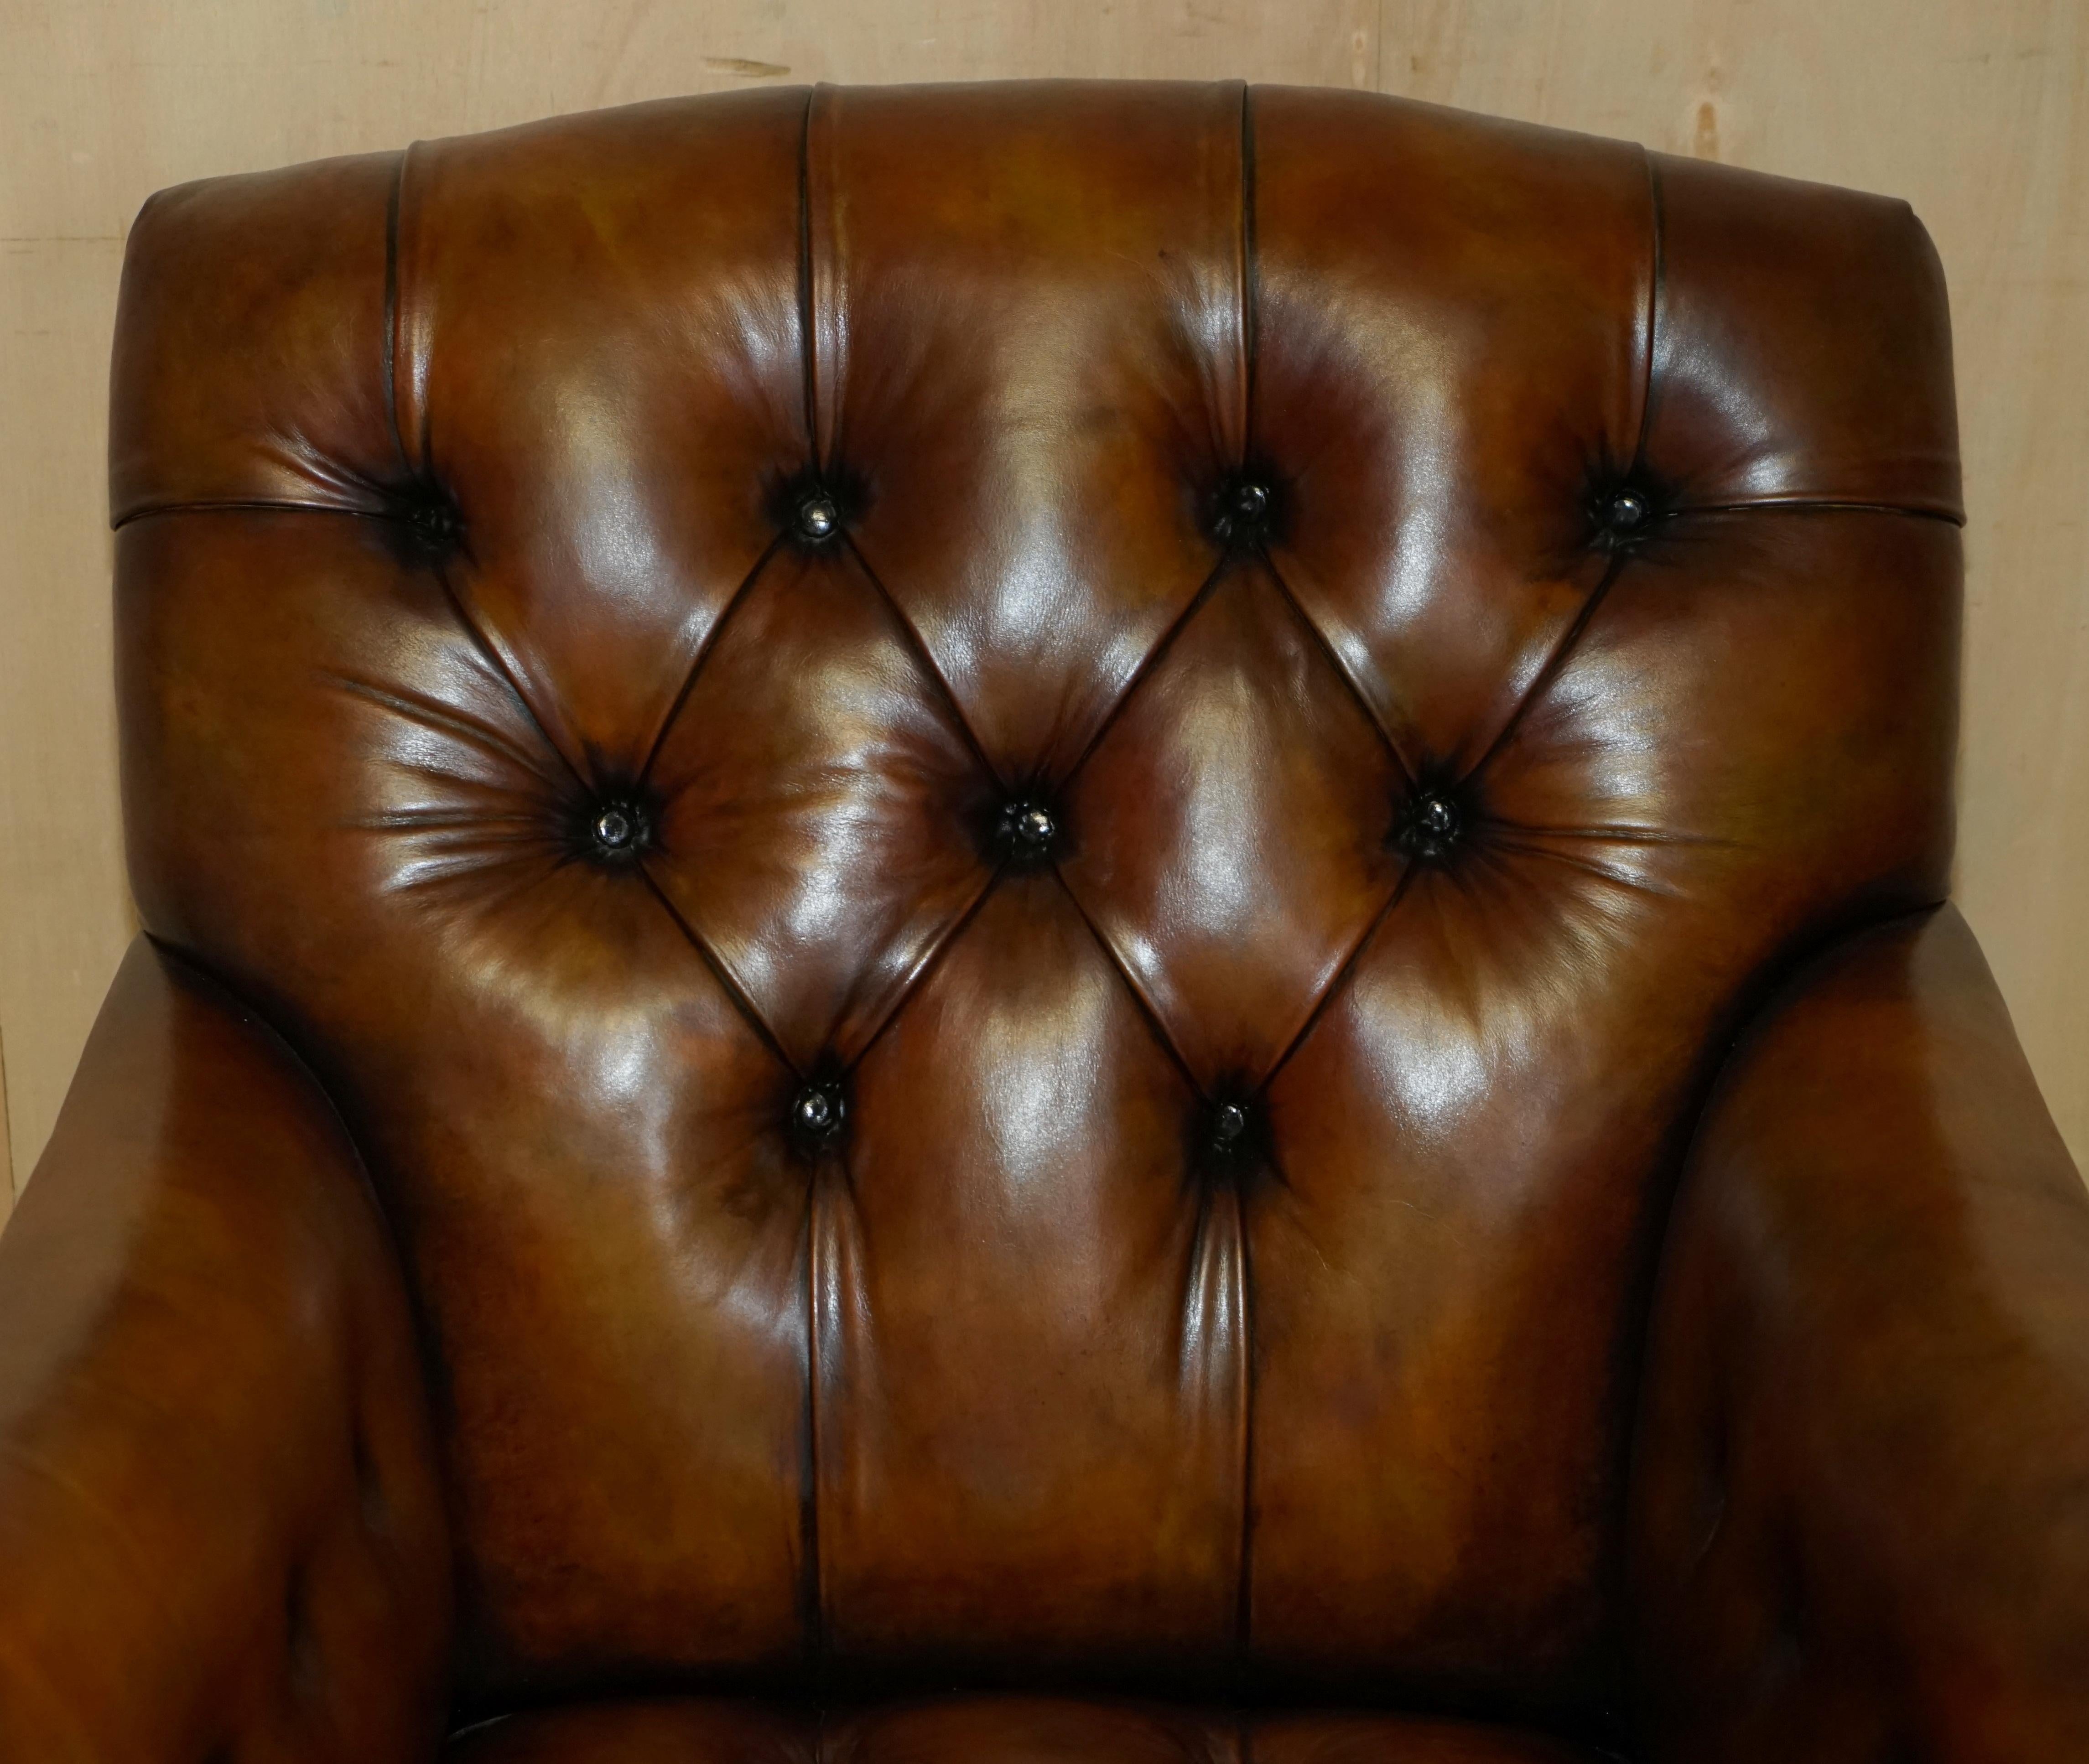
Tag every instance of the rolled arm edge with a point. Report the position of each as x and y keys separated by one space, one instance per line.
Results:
x=1859 y=1519
x=222 y=1525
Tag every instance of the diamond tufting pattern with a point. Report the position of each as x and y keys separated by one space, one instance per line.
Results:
x=1031 y=885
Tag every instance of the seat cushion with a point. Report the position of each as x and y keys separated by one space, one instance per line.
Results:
x=985 y=1730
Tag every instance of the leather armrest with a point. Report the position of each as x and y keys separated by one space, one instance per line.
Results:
x=1859 y=1521
x=221 y=1529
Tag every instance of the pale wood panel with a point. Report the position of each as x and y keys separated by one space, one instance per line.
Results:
x=64 y=911
x=6 y=1154
x=1976 y=110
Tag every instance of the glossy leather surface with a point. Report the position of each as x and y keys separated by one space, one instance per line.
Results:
x=221 y=1529
x=1022 y=854
x=1861 y=1513
x=985 y=1730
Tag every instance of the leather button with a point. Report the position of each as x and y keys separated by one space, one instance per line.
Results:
x=818 y=1112
x=437 y=524
x=1028 y=832
x=619 y=832
x=1629 y=512
x=1245 y=508
x=1231 y=1142
x=433 y=522
x=818 y=519
x=1624 y=514
x=1250 y=504
x=1430 y=826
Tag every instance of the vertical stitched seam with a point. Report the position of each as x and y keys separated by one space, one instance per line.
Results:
x=1245 y=1614
x=808 y=344
x=1250 y=300
x=406 y=356
x=813 y=1594
x=1249 y=331
x=391 y=340
x=811 y=1598
x=1656 y=281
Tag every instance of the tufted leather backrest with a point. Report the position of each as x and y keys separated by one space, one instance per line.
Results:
x=1018 y=820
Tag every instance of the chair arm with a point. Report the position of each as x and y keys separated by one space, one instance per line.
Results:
x=1859 y=1526
x=221 y=1528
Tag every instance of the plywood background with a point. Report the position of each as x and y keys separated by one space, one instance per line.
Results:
x=1976 y=110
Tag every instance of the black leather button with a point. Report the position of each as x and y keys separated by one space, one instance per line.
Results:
x=818 y=519
x=618 y=832
x=1624 y=514
x=437 y=524
x=1245 y=508
x=1232 y=1136
x=435 y=527
x=1429 y=826
x=818 y=1112
x=1027 y=832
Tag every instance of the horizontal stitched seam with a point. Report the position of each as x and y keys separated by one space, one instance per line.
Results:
x=1823 y=505
x=250 y=505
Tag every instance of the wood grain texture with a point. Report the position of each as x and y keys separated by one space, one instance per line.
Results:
x=6 y=1150
x=1975 y=110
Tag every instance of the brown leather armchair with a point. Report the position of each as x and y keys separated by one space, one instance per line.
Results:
x=1038 y=923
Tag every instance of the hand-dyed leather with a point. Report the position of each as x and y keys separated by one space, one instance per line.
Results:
x=1008 y=1730
x=1019 y=824
x=1861 y=1521
x=221 y=1528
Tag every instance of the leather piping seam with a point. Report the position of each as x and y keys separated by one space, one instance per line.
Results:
x=394 y=199
x=1657 y=282
x=248 y=505
x=808 y=338
x=1808 y=505
x=1755 y=505
x=812 y=1591
x=1244 y=1568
